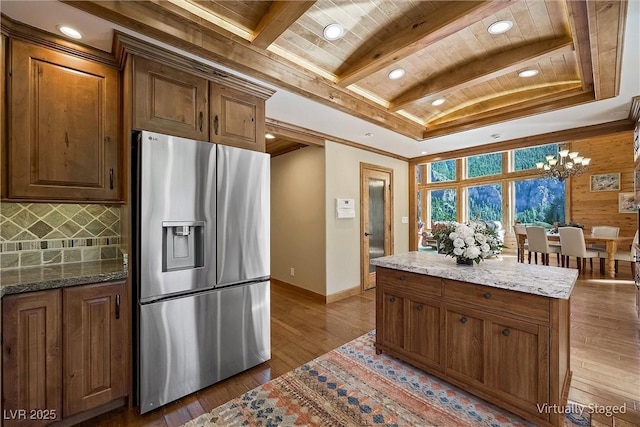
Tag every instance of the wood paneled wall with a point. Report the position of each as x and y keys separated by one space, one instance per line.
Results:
x=609 y=154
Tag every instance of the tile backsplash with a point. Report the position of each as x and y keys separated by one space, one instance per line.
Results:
x=33 y=234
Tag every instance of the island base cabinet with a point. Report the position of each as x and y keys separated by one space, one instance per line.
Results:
x=465 y=346
x=411 y=326
x=94 y=352
x=31 y=349
x=507 y=347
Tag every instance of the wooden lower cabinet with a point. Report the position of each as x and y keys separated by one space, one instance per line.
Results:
x=512 y=350
x=64 y=352
x=31 y=359
x=465 y=346
x=95 y=352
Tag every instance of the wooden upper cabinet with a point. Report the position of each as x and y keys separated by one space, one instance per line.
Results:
x=170 y=101
x=237 y=118
x=31 y=347
x=64 y=127
x=95 y=346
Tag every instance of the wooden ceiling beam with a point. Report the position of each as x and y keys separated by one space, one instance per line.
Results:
x=447 y=21
x=567 y=135
x=294 y=133
x=281 y=15
x=489 y=106
x=483 y=70
x=606 y=31
x=510 y=112
x=579 y=24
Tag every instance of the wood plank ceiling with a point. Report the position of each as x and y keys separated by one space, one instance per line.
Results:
x=443 y=46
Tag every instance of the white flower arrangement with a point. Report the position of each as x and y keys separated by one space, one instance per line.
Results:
x=473 y=241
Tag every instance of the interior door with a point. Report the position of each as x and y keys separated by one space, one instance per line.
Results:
x=375 y=218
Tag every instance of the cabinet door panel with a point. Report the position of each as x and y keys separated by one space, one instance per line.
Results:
x=519 y=362
x=31 y=356
x=170 y=101
x=393 y=320
x=95 y=339
x=423 y=338
x=63 y=142
x=237 y=118
x=465 y=346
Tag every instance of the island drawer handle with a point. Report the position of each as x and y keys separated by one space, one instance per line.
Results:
x=403 y=278
x=487 y=295
x=505 y=332
x=419 y=308
x=392 y=299
x=463 y=320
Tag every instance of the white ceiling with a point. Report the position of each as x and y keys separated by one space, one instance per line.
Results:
x=291 y=108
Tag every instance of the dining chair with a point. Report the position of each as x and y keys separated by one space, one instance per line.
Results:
x=629 y=256
x=572 y=244
x=522 y=230
x=538 y=243
x=602 y=231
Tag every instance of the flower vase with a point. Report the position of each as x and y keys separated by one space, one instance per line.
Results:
x=464 y=261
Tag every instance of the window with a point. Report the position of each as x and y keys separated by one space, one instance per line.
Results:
x=444 y=170
x=485 y=202
x=539 y=201
x=484 y=164
x=443 y=205
x=526 y=158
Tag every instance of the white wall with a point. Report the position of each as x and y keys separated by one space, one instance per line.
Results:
x=342 y=164
x=298 y=218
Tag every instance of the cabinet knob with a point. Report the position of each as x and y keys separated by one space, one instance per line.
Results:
x=463 y=320
x=505 y=332
x=403 y=278
x=420 y=307
x=487 y=295
x=392 y=299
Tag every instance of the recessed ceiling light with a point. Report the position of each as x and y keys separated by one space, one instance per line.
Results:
x=500 y=27
x=424 y=152
x=396 y=74
x=269 y=136
x=528 y=73
x=437 y=102
x=69 y=32
x=333 y=31
x=368 y=134
x=496 y=136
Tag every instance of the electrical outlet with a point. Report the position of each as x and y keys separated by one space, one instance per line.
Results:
x=293 y=271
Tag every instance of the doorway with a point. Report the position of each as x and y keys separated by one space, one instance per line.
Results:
x=376 y=218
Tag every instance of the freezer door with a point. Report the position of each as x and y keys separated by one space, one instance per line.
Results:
x=243 y=215
x=177 y=223
x=191 y=342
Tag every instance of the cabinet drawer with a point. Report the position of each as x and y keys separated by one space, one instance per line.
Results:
x=499 y=300
x=403 y=280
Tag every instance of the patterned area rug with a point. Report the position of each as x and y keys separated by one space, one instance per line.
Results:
x=353 y=386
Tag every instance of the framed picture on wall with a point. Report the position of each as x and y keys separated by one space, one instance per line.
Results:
x=627 y=203
x=605 y=182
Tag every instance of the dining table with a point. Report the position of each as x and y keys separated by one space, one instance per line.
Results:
x=611 y=244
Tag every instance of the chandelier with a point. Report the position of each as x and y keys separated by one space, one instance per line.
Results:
x=565 y=165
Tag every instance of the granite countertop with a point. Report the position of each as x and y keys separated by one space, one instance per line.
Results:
x=553 y=282
x=59 y=276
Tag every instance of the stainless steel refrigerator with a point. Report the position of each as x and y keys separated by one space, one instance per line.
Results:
x=200 y=220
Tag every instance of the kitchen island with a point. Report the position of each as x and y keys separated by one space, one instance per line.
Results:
x=499 y=329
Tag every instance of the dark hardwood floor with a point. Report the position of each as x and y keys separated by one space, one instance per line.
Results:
x=605 y=349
